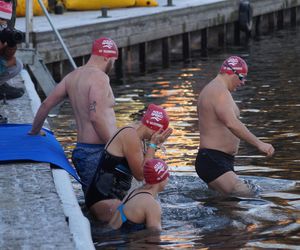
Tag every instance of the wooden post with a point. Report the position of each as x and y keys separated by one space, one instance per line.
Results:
x=57 y=71
x=280 y=19
x=79 y=60
x=271 y=21
x=186 y=52
x=257 y=26
x=293 y=16
x=142 y=57
x=165 y=52
x=221 y=37
x=237 y=39
x=204 y=42
x=119 y=65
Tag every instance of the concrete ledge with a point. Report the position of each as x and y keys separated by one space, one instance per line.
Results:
x=31 y=212
x=78 y=223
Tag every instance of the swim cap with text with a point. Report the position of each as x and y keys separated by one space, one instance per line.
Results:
x=155 y=118
x=236 y=63
x=6 y=10
x=155 y=171
x=105 y=47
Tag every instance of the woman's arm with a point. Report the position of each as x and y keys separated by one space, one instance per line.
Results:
x=153 y=216
x=133 y=150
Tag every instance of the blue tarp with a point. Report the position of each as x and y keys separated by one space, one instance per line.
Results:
x=17 y=145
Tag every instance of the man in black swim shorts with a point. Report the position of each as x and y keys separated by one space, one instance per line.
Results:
x=221 y=130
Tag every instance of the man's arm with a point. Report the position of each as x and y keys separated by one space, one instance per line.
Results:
x=225 y=112
x=55 y=97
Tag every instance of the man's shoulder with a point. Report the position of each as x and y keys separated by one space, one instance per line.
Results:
x=215 y=88
x=209 y=89
x=213 y=94
x=89 y=75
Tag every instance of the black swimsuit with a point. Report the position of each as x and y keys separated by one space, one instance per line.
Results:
x=112 y=179
x=211 y=163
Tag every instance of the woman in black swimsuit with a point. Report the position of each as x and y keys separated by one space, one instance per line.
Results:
x=123 y=158
x=140 y=210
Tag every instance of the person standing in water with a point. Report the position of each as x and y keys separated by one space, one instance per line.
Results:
x=140 y=210
x=221 y=130
x=123 y=158
x=92 y=100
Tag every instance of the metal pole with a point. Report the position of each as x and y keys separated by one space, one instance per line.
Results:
x=170 y=3
x=29 y=21
x=57 y=34
x=104 y=12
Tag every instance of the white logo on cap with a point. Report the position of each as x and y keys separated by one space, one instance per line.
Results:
x=159 y=167
x=157 y=115
x=233 y=61
x=108 y=44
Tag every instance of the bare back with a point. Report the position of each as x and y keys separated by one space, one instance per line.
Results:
x=92 y=101
x=214 y=133
x=141 y=208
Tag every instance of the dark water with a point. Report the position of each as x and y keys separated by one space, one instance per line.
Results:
x=193 y=216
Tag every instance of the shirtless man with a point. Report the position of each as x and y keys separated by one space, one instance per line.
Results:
x=92 y=101
x=221 y=130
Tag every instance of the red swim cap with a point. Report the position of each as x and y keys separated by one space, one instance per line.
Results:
x=235 y=62
x=155 y=171
x=105 y=47
x=155 y=118
x=5 y=10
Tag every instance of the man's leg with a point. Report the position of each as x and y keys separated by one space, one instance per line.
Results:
x=7 y=91
x=230 y=184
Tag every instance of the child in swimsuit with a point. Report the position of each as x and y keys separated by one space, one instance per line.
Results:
x=140 y=210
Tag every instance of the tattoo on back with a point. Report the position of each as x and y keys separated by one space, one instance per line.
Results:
x=92 y=106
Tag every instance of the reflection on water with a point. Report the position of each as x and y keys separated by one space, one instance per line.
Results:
x=195 y=217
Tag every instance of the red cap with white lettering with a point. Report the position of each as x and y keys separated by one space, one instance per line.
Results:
x=105 y=47
x=155 y=171
x=156 y=118
x=236 y=63
x=5 y=10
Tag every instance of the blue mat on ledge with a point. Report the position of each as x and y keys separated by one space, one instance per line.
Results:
x=17 y=145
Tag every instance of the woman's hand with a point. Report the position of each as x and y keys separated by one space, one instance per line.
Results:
x=161 y=136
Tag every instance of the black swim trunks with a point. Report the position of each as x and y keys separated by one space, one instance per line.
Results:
x=211 y=163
